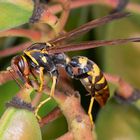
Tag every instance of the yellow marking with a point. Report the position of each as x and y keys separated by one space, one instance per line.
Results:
x=92 y=74
x=106 y=87
x=26 y=69
x=33 y=59
x=24 y=58
x=96 y=70
x=50 y=45
x=45 y=101
x=101 y=81
x=31 y=51
x=35 y=50
x=90 y=109
x=86 y=80
x=83 y=61
x=44 y=59
x=39 y=106
x=41 y=77
x=89 y=87
x=53 y=86
x=44 y=51
x=96 y=93
x=93 y=79
x=67 y=60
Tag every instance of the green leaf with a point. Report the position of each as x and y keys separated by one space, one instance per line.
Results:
x=19 y=124
x=123 y=60
x=6 y=94
x=118 y=122
x=14 y=13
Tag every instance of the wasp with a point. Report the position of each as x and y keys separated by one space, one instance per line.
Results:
x=45 y=58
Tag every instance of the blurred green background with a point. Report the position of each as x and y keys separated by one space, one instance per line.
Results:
x=119 y=60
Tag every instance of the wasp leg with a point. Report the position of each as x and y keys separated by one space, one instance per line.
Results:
x=53 y=86
x=82 y=76
x=90 y=110
x=35 y=79
x=41 y=77
x=39 y=106
x=51 y=95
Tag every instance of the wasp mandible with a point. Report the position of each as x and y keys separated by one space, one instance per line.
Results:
x=45 y=58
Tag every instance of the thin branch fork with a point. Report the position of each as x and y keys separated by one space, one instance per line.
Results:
x=79 y=125
x=5 y=76
x=30 y=34
x=124 y=86
x=125 y=89
x=133 y=7
x=78 y=121
x=14 y=49
x=50 y=117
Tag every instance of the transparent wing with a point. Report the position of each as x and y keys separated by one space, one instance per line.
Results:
x=91 y=44
x=88 y=26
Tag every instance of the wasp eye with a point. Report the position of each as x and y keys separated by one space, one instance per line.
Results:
x=60 y=56
x=74 y=63
x=21 y=64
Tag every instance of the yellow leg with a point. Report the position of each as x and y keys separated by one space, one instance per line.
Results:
x=39 y=106
x=45 y=101
x=53 y=86
x=90 y=109
x=41 y=77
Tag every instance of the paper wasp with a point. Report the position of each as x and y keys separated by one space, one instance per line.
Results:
x=45 y=58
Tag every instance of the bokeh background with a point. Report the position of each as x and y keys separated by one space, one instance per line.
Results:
x=122 y=60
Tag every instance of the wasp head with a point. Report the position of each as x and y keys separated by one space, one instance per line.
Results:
x=20 y=66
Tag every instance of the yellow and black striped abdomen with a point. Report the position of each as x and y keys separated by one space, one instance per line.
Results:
x=96 y=84
x=92 y=78
x=99 y=87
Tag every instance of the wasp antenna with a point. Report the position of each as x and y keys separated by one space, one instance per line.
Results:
x=13 y=76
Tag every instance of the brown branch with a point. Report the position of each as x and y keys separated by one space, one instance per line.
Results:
x=79 y=124
x=33 y=35
x=36 y=99
x=5 y=76
x=125 y=89
x=57 y=24
x=66 y=136
x=133 y=7
x=74 y=4
x=65 y=4
x=50 y=117
x=58 y=8
x=78 y=121
x=14 y=49
x=48 y=18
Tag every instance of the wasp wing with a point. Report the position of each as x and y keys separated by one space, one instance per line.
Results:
x=91 y=44
x=88 y=26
